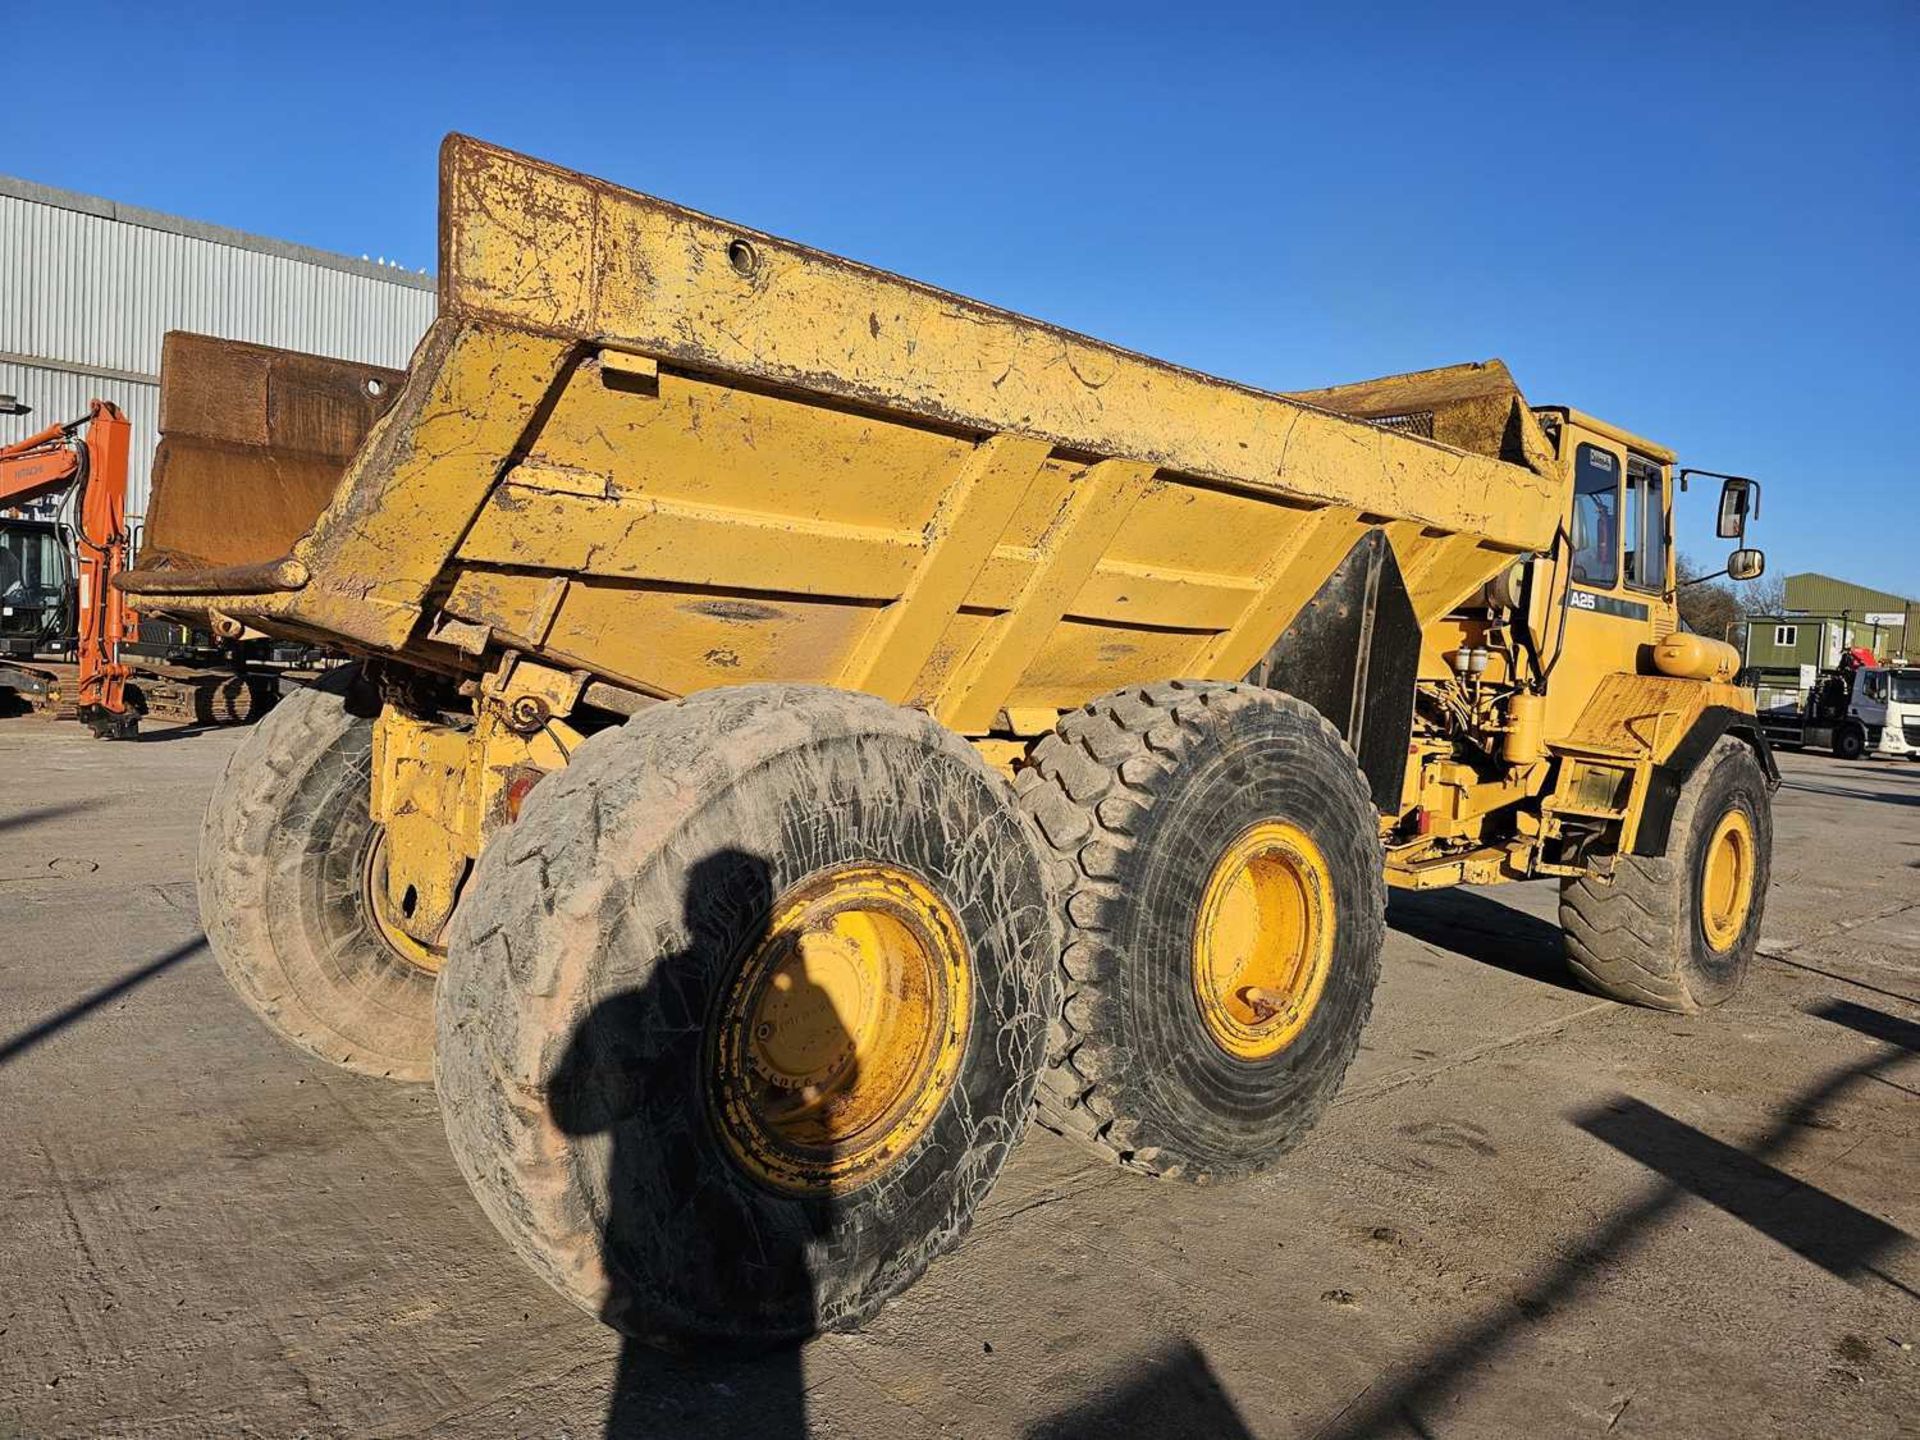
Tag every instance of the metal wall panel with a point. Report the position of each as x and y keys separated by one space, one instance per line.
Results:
x=58 y=395
x=88 y=288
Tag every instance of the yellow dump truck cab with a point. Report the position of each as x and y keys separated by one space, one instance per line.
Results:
x=1560 y=709
x=801 y=722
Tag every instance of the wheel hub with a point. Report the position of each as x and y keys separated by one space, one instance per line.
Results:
x=1726 y=880
x=377 y=903
x=842 y=1034
x=818 y=1004
x=1263 y=940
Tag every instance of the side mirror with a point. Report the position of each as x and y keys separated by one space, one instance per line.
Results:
x=1746 y=564
x=1739 y=498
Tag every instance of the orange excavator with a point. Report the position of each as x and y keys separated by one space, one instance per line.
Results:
x=86 y=461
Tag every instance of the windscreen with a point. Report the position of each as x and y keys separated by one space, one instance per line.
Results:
x=1596 y=517
x=33 y=570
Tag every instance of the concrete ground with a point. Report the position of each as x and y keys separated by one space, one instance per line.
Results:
x=1531 y=1213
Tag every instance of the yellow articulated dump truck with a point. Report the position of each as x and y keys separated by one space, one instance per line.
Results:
x=805 y=722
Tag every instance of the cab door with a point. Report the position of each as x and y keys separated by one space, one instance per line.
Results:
x=1870 y=700
x=1619 y=566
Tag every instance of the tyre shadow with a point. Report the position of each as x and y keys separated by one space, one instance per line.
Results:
x=1173 y=1395
x=1464 y=922
x=696 y=1254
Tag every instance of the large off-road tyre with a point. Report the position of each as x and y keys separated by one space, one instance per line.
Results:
x=1162 y=803
x=1678 y=932
x=619 y=1055
x=288 y=854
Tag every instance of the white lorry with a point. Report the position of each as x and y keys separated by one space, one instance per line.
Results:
x=1856 y=710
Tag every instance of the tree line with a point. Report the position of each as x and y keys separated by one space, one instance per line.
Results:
x=1718 y=608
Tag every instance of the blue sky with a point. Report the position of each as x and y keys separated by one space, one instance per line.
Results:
x=1697 y=221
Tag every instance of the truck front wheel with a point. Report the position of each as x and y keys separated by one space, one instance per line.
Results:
x=1223 y=902
x=291 y=891
x=1849 y=742
x=1678 y=931
x=744 y=1013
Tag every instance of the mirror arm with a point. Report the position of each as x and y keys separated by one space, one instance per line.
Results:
x=1699 y=580
x=1718 y=475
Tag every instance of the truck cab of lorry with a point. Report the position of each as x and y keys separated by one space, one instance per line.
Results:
x=1882 y=714
x=1858 y=708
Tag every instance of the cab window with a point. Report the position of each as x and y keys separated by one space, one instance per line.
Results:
x=1646 y=533
x=1596 y=516
x=30 y=569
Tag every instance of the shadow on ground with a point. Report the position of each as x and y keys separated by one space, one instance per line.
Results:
x=689 y=1246
x=181 y=732
x=1173 y=1394
x=1848 y=792
x=659 y=1396
x=1819 y=1227
x=1463 y=922
x=27 y=819
x=17 y=1045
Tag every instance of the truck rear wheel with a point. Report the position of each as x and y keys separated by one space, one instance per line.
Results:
x=1677 y=932
x=744 y=1013
x=1224 y=905
x=291 y=892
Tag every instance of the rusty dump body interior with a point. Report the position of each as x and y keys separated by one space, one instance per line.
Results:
x=657 y=452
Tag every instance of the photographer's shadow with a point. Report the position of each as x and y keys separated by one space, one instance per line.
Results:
x=698 y=1256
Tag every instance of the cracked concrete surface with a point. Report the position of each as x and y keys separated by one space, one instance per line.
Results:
x=1530 y=1212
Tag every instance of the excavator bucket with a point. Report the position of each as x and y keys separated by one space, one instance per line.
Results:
x=254 y=441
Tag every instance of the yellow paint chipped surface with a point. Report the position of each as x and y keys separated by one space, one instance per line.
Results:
x=534 y=245
x=676 y=453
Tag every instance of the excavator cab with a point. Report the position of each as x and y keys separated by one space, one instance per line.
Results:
x=36 y=588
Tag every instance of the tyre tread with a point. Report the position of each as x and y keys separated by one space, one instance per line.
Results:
x=248 y=811
x=1630 y=939
x=1088 y=787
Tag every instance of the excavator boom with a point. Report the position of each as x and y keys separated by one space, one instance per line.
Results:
x=38 y=466
x=90 y=453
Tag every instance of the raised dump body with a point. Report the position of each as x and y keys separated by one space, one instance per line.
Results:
x=676 y=454
x=693 y=576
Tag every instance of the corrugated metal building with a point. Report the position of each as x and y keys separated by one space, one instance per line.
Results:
x=1823 y=616
x=88 y=287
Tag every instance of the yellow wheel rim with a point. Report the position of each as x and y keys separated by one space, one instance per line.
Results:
x=1263 y=940
x=1726 y=880
x=842 y=1035
x=379 y=909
